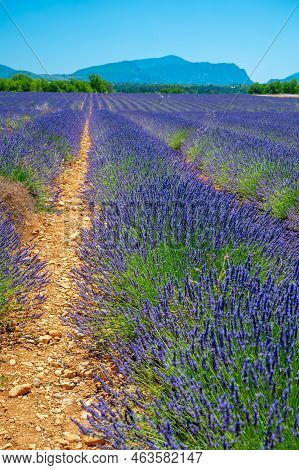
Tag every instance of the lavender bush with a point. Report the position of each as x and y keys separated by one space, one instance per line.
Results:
x=20 y=273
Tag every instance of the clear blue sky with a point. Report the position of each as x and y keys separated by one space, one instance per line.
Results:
x=72 y=34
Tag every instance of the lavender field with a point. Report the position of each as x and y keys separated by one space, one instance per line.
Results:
x=187 y=287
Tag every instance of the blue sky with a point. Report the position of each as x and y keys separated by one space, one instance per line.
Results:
x=72 y=34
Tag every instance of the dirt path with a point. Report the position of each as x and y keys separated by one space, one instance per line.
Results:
x=42 y=355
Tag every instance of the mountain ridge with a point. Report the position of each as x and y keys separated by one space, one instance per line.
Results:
x=145 y=71
x=287 y=79
x=8 y=72
x=167 y=69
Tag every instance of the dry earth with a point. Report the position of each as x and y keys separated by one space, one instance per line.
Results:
x=43 y=372
x=281 y=95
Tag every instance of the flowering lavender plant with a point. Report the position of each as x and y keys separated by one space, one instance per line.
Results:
x=20 y=273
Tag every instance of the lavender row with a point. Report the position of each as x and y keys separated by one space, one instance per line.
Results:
x=19 y=109
x=35 y=154
x=159 y=102
x=192 y=297
x=253 y=162
x=33 y=103
x=20 y=274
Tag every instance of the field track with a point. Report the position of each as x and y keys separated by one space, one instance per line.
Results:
x=41 y=352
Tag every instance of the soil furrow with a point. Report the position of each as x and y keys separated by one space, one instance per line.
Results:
x=42 y=355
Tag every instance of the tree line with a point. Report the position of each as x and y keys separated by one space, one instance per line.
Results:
x=174 y=88
x=275 y=88
x=96 y=84
x=22 y=82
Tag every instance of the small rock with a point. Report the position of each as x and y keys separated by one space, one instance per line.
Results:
x=41 y=416
x=80 y=370
x=88 y=373
x=69 y=374
x=88 y=403
x=58 y=372
x=27 y=364
x=68 y=385
x=64 y=284
x=74 y=235
x=67 y=402
x=84 y=364
x=40 y=369
x=44 y=339
x=12 y=362
x=37 y=382
x=8 y=445
x=57 y=410
x=31 y=446
x=19 y=390
x=71 y=437
x=63 y=442
x=38 y=429
x=55 y=333
x=93 y=441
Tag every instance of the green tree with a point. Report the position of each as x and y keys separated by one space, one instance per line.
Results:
x=255 y=88
x=275 y=88
x=293 y=86
x=172 y=89
x=100 y=85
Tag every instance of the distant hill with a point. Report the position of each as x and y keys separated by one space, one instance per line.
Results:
x=8 y=72
x=169 y=69
x=287 y=79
